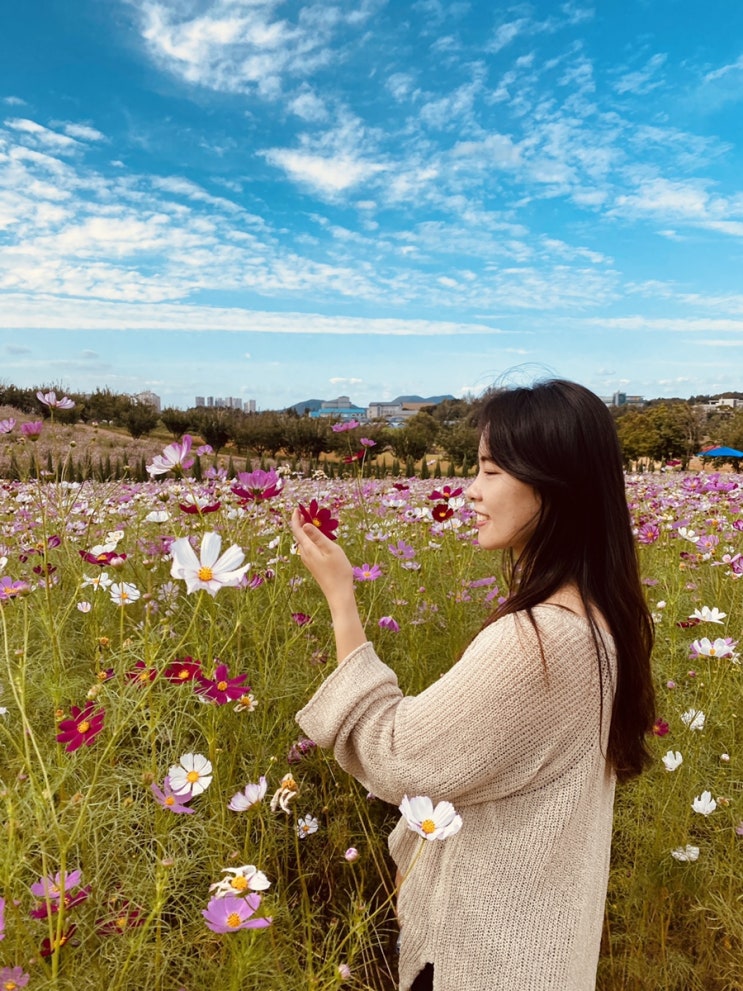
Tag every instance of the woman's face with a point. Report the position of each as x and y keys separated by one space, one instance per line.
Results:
x=507 y=509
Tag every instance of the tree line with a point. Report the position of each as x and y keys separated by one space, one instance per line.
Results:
x=660 y=431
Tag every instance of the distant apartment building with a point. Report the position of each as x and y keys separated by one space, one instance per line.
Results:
x=622 y=399
x=226 y=402
x=200 y=401
x=726 y=403
x=341 y=408
x=148 y=398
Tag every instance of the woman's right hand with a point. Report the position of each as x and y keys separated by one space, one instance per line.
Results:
x=324 y=559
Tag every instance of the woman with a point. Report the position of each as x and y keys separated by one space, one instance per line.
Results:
x=528 y=731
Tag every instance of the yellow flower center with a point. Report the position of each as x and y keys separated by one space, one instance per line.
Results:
x=170 y=800
x=428 y=826
x=183 y=674
x=712 y=652
x=121 y=922
x=239 y=883
x=222 y=686
x=317 y=522
x=205 y=574
x=9 y=986
x=192 y=777
x=233 y=920
x=83 y=726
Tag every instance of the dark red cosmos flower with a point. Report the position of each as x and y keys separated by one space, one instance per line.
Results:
x=82 y=727
x=141 y=674
x=441 y=512
x=48 y=947
x=685 y=624
x=182 y=670
x=400 y=486
x=350 y=458
x=192 y=507
x=660 y=727
x=320 y=517
x=39 y=548
x=446 y=493
x=301 y=618
x=123 y=918
x=221 y=688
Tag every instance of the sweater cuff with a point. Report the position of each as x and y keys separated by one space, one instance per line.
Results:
x=358 y=675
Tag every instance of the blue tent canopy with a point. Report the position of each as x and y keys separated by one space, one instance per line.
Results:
x=720 y=452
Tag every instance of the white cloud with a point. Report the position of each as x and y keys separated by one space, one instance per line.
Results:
x=328 y=175
x=644 y=80
x=84 y=132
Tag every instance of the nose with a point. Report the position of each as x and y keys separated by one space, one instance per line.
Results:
x=471 y=492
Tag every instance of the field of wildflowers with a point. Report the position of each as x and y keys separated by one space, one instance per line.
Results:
x=164 y=824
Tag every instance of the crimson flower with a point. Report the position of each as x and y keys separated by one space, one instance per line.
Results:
x=350 y=458
x=182 y=670
x=48 y=947
x=446 y=493
x=199 y=506
x=660 y=727
x=123 y=918
x=51 y=907
x=141 y=674
x=222 y=689
x=82 y=728
x=320 y=517
x=441 y=511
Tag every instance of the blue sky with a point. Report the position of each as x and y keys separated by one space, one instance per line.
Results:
x=292 y=200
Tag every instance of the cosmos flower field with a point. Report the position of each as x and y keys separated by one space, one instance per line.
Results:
x=165 y=825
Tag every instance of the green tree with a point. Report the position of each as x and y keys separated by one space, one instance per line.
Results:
x=177 y=421
x=140 y=419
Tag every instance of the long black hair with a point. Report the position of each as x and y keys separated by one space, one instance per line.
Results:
x=560 y=438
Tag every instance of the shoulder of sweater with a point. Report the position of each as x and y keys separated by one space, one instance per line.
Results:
x=554 y=623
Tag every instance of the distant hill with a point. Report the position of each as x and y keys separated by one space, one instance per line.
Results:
x=314 y=404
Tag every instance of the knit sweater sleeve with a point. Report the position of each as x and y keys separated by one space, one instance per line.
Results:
x=499 y=720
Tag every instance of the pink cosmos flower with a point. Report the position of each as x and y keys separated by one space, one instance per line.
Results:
x=367 y=442
x=367 y=573
x=32 y=429
x=221 y=688
x=46 y=908
x=13 y=977
x=56 y=886
x=168 y=799
x=50 y=399
x=2 y=918
x=388 y=623
x=10 y=589
x=82 y=728
x=233 y=912
x=6 y=426
x=210 y=572
x=257 y=485
x=175 y=458
x=340 y=428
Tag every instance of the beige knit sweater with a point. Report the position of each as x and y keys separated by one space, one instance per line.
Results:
x=514 y=901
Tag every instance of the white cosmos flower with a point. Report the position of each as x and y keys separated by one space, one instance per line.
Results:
x=191 y=776
x=672 y=760
x=245 y=878
x=707 y=615
x=704 y=804
x=209 y=571
x=97 y=582
x=694 y=719
x=123 y=593
x=307 y=825
x=429 y=822
x=157 y=516
x=250 y=795
x=712 y=648
x=686 y=853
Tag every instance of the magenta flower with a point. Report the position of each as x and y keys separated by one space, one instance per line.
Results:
x=50 y=399
x=196 y=505
x=13 y=977
x=2 y=918
x=50 y=907
x=340 y=428
x=367 y=442
x=445 y=493
x=367 y=573
x=388 y=623
x=32 y=429
x=299 y=750
x=168 y=799
x=123 y=918
x=321 y=518
x=257 y=485
x=301 y=618
x=229 y=913
x=141 y=674
x=660 y=727
x=221 y=688
x=175 y=457
x=6 y=426
x=49 y=946
x=82 y=728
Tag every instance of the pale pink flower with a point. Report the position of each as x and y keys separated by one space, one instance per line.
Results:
x=175 y=457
